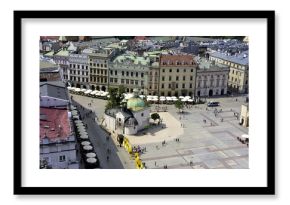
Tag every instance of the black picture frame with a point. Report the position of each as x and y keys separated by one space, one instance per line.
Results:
x=19 y=189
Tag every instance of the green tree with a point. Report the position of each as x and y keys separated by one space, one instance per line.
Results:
x=179 y=105
x=122 y=89
x=155 y=116
x=116 y=97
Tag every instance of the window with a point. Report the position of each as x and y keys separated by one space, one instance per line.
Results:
x=191 y=77
x=116 y=72
x=111 y=72
x=142 y=75
x=111 y=80
x=131 y=74
x=122 y=81
x=163 y=78
x=177 y=71
x=169 y=78
x=122 y=73
x=62 y=158
x=183 y=78
x=184 y=70
x=176 y=85
x=183 y=85
x=136 y=82
x=170 y=70
x=115 y=80
x=191 y=70
x=177 y=78
x=136 y=74
x=127 y=73
x=190 y=85
x=142 y=114
x=163 y=70
x=127 y=81
x=169 y=85
x=162 y=85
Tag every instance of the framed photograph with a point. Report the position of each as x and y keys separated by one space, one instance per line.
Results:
x=144 y=102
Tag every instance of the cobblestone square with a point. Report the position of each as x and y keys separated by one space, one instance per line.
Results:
x=202 y=145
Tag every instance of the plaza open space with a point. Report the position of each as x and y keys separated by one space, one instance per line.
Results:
x=198 y=137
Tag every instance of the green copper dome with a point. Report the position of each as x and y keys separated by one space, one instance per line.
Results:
x=135 y=104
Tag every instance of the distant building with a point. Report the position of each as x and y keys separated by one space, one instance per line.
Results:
x=153 y=79
x=61 y=58
x=53 y=95
x=129 y=120
x=177 y=75
x=192 y=48
x=244 y=117
x=57 y=140
x=78 y=71
x=211 y=78
x=49 y=46
x=131 y=71
x=154 y=72
x=238 y=81
x=50 y=72
x=99 y=66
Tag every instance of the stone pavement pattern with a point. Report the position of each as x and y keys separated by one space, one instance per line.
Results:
x=210 y=145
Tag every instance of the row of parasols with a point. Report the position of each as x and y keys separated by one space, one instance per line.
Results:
x=86 y=147
x=90 y=93
x=155 y=98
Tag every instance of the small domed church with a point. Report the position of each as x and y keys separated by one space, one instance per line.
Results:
x=129 y=119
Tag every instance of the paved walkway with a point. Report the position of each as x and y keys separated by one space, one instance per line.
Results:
x=118 y=158
x=196 y=139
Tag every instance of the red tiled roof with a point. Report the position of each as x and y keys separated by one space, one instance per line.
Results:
x=171 y=60
x=45 y=38
x=54 y=124
x=139 y=38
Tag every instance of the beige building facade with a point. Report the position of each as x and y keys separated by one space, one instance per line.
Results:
x=177 y=75
x=238 y=81
x=99 y=69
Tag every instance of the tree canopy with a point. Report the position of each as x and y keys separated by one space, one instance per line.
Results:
x=179 y=105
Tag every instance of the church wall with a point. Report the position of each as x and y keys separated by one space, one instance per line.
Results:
x=143 y=121
x=109 y=122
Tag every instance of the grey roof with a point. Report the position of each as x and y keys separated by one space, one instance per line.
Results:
x=46 y=66
x=53 y=89
x=126 y=113
x=205 y=64
x=241 y=58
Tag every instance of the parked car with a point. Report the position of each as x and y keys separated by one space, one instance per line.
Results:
x=213 y=104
